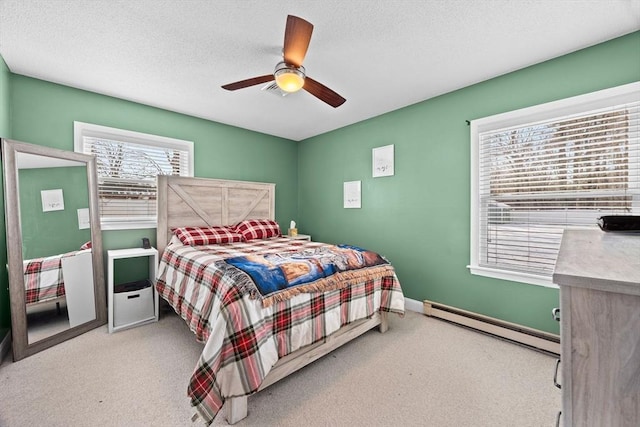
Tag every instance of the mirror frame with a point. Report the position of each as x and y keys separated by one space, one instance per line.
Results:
x=21 y=346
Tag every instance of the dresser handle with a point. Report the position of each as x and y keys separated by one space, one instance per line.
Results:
x=555 y=375
x=556 y=314
x=558 y=418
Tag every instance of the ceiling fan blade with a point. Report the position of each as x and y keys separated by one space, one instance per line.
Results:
x=322 y=92
x=248 y=82
x=297 y=36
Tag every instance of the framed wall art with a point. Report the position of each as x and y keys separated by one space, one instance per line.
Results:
x=52 y=200
x=383 y=162
x=351 y=194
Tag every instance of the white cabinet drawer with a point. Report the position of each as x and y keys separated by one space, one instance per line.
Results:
x=133 y=306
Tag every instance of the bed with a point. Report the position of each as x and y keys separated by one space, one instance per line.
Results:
x=43 y=279
x=62 y=277
x=253 y=339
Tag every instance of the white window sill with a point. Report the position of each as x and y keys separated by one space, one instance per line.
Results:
x=531 y=279
x=127 y=225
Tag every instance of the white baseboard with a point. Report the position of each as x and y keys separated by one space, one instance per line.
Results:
x=413 y=305
x=5 y=346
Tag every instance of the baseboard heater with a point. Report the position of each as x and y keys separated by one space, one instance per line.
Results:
x=520 y=334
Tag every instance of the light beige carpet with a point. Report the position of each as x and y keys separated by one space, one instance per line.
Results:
x=422 y=372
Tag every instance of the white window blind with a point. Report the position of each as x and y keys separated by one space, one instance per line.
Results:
x=537 y=178
x=127 y=166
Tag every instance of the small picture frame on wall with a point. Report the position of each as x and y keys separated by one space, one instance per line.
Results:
x=83 y=219
x=52 y=200
x=383 y=162
x=351 y=195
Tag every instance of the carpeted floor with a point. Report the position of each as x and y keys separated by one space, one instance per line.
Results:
x=422 y=372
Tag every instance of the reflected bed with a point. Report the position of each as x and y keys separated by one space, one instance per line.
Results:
x=49 y=279
x=43 y=278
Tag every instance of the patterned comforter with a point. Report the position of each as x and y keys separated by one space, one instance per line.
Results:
x=243 y=337
x=43 y=278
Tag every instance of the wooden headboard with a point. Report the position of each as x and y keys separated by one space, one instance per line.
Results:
x=186 y=201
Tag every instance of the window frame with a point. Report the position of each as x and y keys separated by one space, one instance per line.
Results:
x=82 y=130
x=578 y=104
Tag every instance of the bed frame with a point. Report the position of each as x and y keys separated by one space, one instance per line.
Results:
x=186 y=201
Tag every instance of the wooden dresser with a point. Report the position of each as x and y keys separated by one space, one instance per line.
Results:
x=599 y=278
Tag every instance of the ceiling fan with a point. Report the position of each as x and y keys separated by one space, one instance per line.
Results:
x=289 y=74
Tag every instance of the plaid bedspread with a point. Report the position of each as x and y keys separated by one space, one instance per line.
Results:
x=243 y=339
x=43 y=278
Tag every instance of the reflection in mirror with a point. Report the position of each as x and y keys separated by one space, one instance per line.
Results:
x=53 y=195
x=54 y=244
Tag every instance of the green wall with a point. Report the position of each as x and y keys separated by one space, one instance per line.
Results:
x=420 y=218
x=43 y=113
x=5 y=132
x=52 y=232
x=4 y=99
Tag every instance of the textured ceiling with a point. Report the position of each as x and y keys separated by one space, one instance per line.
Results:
x=379 y=55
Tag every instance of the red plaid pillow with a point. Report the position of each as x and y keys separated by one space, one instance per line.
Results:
x=251 y=229
x=195 y=236
x=86 y=246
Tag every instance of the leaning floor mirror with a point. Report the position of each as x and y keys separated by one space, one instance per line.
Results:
x=54 y=245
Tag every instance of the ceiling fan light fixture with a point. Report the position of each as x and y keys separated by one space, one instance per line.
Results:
x=289 y=78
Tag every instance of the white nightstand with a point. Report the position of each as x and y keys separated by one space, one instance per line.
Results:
x=132 y=307
x=299 y=237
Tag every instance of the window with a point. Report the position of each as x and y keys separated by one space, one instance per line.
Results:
x=127 y=165
x=540 y=170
